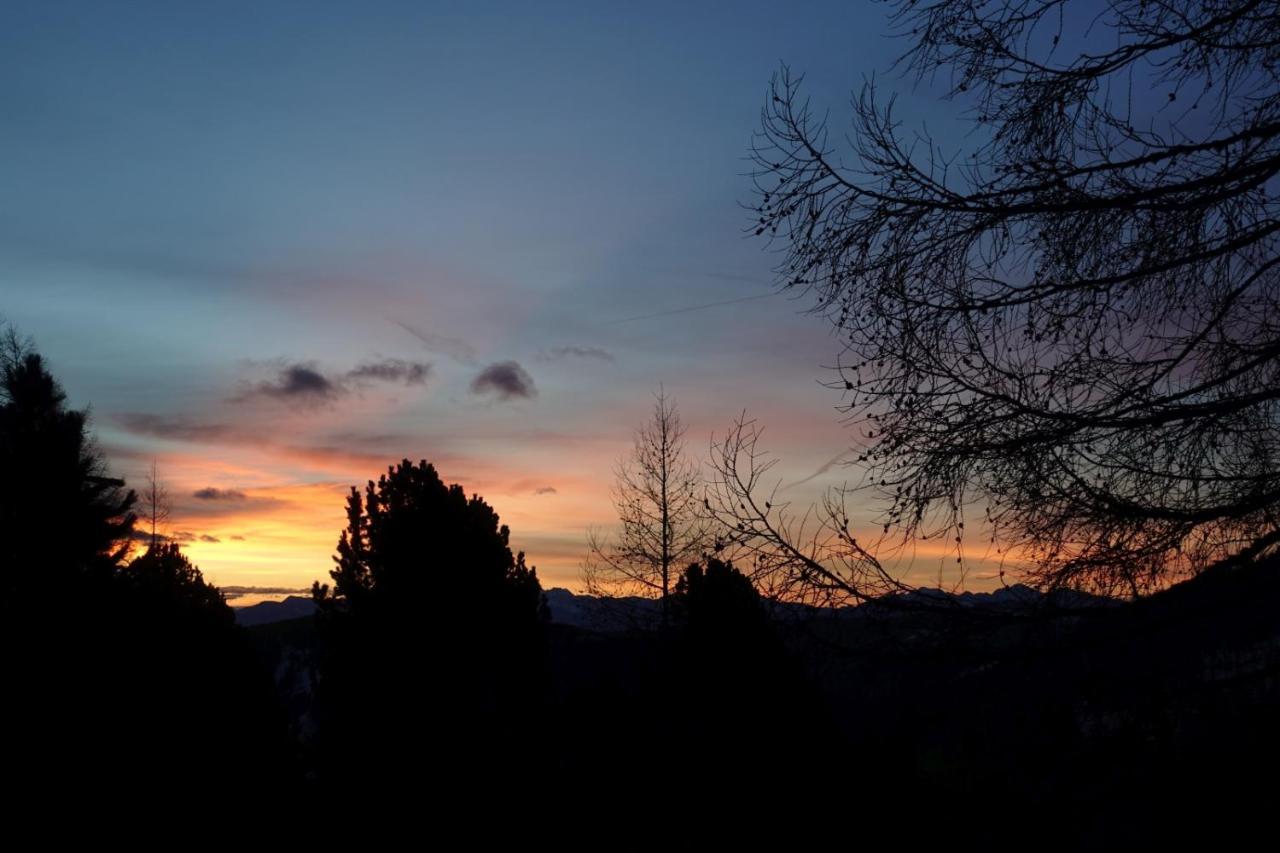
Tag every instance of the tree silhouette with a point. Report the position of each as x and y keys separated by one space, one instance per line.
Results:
x=719 y=605
x=163 y=573
x=432 y=634
x=60 y=514
x=656 y=497
x=742 y=699
x=155 y=504
x=1069 y=329
x=119 y=681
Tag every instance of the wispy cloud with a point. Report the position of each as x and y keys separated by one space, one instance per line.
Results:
x=545 y=490
x=560 y=353
x=181 y=429
x=239 y=591
x=457 y=349
x=684 y=310
x=349 y=451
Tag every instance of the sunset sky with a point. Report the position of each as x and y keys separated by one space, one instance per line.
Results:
x=278 y=246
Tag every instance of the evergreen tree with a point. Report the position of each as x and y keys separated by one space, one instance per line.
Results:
x=163 y=574
x=432 y=637
x=118 y=681
x=743 y=698
x=60 y=514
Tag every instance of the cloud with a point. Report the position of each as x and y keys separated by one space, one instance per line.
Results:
x=545 y=490
x=392 y=370
x=236 y=537
x=299 y=383
x=507 y=379
x=178 y=429
x=352 y=451
x=144 y=537
x=559 y=353
x=455 y=348
x=305 y=384
x=687 y=308
x=238 y=591
x=209 y=493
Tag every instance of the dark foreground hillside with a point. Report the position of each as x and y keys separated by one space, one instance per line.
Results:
x=1018 y=717
x=1090 y=726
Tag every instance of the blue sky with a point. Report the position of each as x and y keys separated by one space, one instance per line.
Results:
x=201 y=197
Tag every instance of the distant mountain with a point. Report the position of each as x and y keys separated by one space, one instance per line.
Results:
x=611 y=615
x=1017 y=597
x=293 y=607
x=614 y=615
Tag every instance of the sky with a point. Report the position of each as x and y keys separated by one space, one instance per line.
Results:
x=276 y=247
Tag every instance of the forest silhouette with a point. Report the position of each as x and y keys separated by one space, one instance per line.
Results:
x=1070 y=344
x=130 y=675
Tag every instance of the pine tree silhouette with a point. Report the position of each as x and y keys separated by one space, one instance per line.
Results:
x=432 y=639
x=61 y=516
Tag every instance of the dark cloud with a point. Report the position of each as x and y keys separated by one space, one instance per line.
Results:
x=205 y=537
x=303 y=383
x=236 y=537
x=184 y=536
x=209 y=493
x=558 y=353
x=296 y=384
x=455 y=348
x=545 y=490
x=507 y=379
x=392 y=370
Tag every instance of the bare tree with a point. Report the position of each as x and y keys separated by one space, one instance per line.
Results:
x=657 y=497
x=1071 y=329
x=811 y=556
x=155 y=505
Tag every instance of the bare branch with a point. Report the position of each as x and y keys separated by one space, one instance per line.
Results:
x=1073 y=327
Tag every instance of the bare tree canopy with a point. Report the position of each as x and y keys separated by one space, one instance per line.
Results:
x=810 y=557
x=1071 y=328
x=658 y=499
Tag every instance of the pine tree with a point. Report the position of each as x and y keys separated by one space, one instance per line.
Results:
x=60 y=514
x=432 y=639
